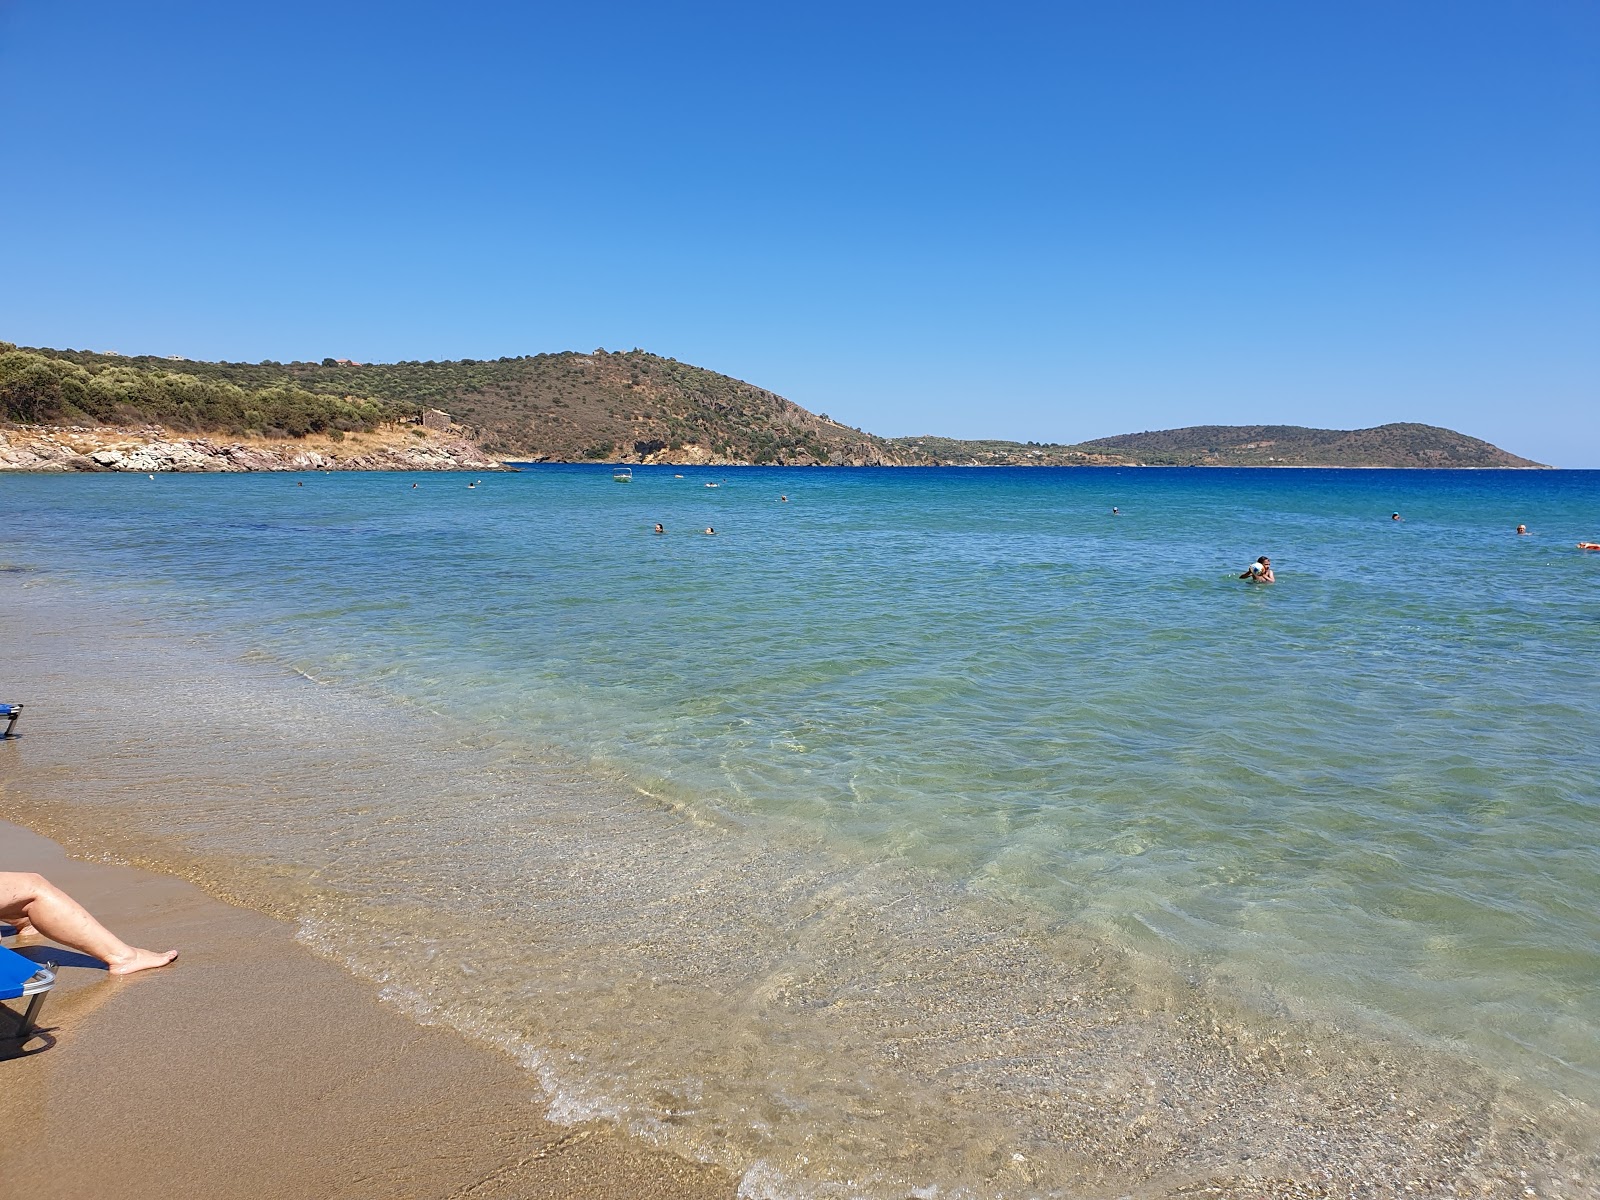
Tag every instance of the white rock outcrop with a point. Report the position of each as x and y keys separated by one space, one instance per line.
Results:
x=76 y=448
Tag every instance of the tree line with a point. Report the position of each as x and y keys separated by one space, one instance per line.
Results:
x=37 y=389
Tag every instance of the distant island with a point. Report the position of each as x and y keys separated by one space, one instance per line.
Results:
x=1402 y=444
x=79 y=409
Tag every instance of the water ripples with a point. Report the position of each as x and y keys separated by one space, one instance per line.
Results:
x=1364 y=795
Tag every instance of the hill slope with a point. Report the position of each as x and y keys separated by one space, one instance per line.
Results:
x=565 y=407
x=623 y=407
x=1397 y=445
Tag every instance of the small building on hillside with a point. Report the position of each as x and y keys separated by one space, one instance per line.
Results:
x=432 y=418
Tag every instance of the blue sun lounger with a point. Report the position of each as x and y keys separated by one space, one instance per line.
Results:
x=22 y=978
x=9 y=714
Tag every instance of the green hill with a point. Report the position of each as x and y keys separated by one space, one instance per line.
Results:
x=1397 y=445
x=51 y=387
x=629 y=407
x=558 y=407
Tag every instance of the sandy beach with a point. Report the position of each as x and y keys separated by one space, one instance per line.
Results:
x=253 y=1068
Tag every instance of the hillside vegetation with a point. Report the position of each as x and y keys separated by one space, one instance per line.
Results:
x=567 y=407
x=52 y=388
x=623 y=407
x=1397 y=445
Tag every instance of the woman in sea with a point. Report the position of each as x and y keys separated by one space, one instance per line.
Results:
x=1260 y=571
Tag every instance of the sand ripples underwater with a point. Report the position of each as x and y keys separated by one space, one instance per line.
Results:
x=931 y=833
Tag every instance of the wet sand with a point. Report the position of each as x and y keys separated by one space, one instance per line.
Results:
x=251 y=1067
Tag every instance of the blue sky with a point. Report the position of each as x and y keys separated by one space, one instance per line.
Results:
x=1050 y=222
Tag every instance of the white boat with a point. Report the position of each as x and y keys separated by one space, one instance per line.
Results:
x=622 y=474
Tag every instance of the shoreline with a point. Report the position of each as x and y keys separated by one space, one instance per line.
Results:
x=53 y=450
x=1232 y=1083
x=251 y=1044
x=154 y=449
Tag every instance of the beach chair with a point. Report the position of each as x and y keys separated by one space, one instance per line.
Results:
x=9 y=714
x=22 y=978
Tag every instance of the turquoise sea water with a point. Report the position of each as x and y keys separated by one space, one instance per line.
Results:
x=910 y=762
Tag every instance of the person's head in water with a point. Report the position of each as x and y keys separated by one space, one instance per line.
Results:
x=1394 y=516
x=1115 y=512
x=1522 y=529
x=710 y=530
x=658 y=528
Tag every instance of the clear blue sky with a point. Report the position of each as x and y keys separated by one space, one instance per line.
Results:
x=1049 y=222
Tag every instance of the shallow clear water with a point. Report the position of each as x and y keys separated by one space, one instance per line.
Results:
x=811 y=846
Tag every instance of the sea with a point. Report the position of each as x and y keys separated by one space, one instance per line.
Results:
x=935 y=833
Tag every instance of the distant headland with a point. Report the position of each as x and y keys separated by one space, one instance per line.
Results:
x=85 y=410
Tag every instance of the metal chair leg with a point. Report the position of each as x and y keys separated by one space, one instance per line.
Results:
x=30 y=1016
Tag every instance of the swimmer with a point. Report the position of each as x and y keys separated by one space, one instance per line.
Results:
x=1522 y=530
x=302 y=483
x=1396 y=517
x=658 y=528
x=1589 y=545
x=1260 y=571
x=1115 y=512
x=413 y=487
x=784 y=499
x=470 y=486
x=712 y=532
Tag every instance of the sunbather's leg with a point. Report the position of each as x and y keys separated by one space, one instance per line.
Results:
x=61 y=918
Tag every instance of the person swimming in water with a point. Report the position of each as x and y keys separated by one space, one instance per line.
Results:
x=1522 y=530
x=1260 y=571
x=658 y=528
x=711 y=531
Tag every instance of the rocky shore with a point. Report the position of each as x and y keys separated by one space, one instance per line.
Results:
x=152 y=448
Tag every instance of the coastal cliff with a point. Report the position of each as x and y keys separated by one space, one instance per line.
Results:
x=155 y=449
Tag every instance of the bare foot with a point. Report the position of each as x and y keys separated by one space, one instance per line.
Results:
x=140 y=960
